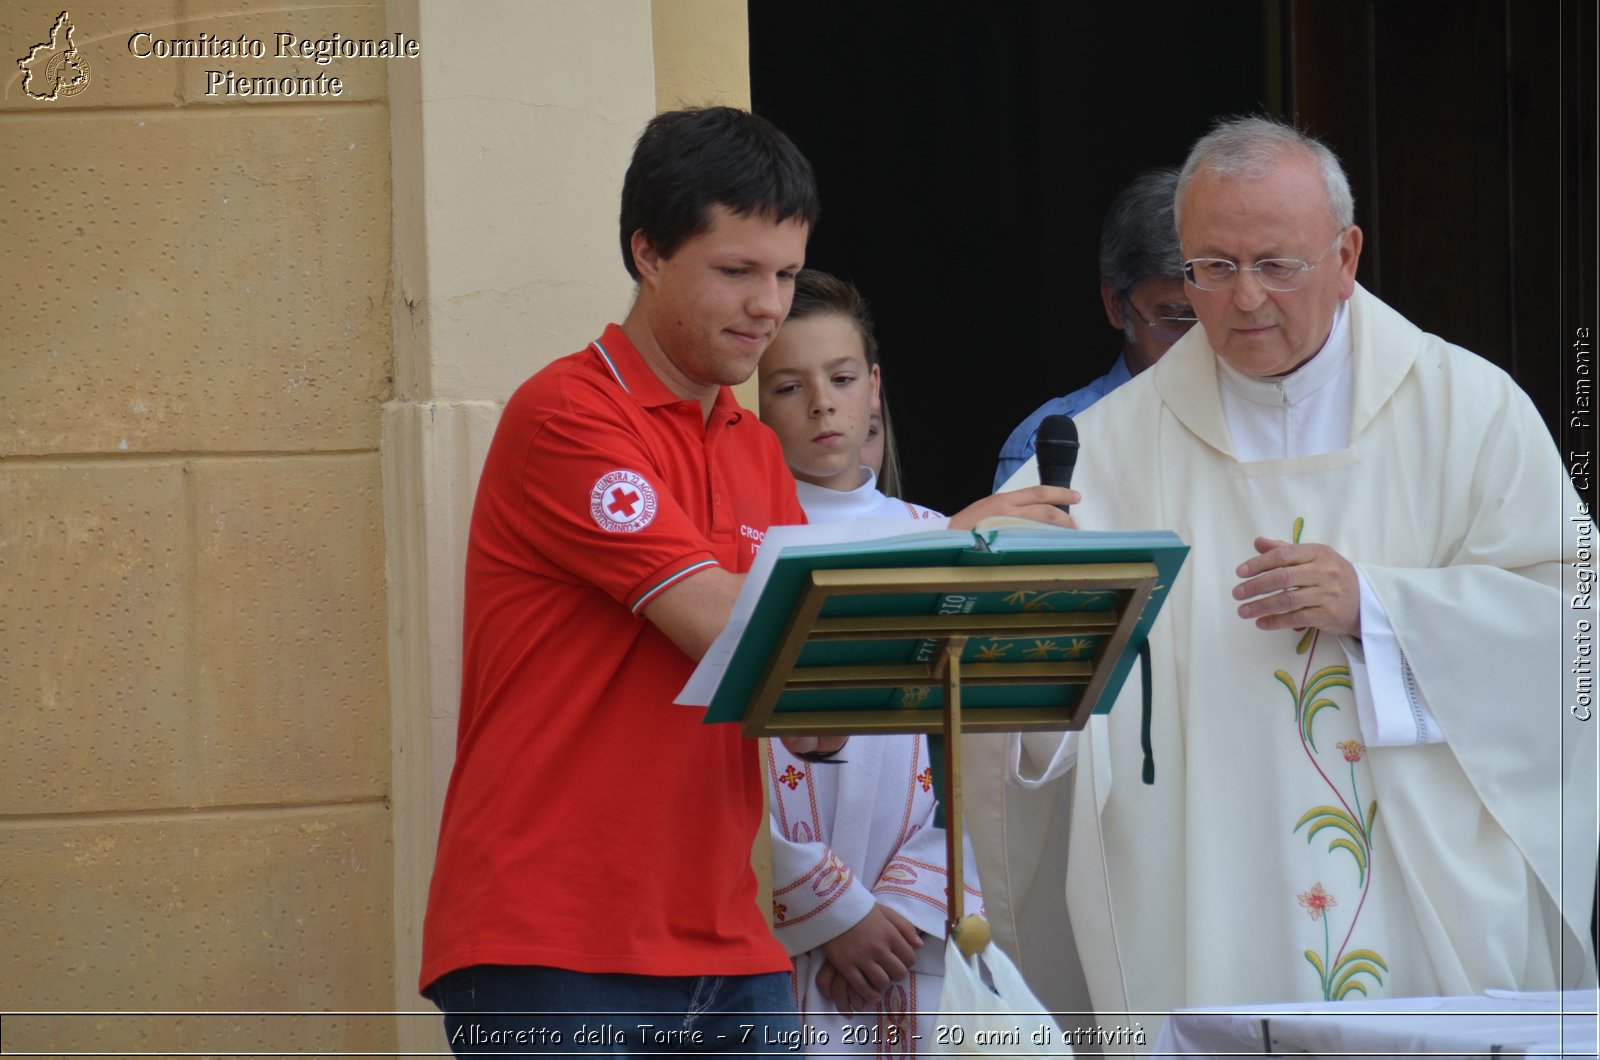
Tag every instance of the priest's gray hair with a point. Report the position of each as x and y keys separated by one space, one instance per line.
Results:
x=1250 y=147
x=1139 y=237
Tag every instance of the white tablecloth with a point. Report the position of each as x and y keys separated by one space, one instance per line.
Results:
x=1552 y=1023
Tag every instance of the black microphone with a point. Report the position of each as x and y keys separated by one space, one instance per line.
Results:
x=1057 y=451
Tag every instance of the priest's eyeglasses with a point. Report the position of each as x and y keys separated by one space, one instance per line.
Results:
x=1275 y=274
x=1164 y=329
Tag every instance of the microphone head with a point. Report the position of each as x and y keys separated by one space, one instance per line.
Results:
x=1057 y=450
x=1058 y=430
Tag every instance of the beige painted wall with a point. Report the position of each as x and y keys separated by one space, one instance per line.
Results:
x=251 y=354
x=505 y=259
x=702 y=53
x=543 y=192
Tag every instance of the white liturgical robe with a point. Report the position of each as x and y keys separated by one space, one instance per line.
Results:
x=1278 y=857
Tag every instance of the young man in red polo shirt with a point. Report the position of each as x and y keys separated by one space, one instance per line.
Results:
x=593 y=889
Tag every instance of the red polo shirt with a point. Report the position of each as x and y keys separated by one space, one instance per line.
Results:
x=591 y=824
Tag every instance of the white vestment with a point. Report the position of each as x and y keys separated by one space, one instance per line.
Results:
x=847 y=836
x=1256 y=868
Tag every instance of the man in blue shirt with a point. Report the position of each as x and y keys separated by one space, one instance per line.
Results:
x=1141 y=284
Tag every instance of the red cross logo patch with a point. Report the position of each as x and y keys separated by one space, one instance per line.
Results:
x=622 y=502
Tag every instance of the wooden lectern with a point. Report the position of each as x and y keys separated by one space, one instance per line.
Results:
x=1013 y=646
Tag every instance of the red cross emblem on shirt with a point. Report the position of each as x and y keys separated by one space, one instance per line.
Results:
x=622 y=502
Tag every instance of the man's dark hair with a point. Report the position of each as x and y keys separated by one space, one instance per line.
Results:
x=687 y=161
x=1139 y=239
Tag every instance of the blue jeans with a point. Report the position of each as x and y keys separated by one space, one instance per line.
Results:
x=529 y=1010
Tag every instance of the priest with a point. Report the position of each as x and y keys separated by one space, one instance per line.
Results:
x=1367 y=784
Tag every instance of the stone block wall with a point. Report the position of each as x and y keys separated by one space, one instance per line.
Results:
x=252 y=350
x=195 y=348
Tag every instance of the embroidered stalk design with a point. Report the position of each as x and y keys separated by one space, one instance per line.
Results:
x=1351 y=823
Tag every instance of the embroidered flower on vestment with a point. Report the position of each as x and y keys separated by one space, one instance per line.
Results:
x=1353 y=749
x=1317 y=901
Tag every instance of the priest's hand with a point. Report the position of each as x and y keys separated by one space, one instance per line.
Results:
x=1290 y=586
x=867 y=958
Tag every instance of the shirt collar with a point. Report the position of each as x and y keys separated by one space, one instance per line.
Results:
x=1120 y=373
x=627 y=367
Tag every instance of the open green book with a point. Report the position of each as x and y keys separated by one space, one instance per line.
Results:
x=838 y=632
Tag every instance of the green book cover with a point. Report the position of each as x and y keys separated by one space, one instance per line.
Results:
x=1088 y=633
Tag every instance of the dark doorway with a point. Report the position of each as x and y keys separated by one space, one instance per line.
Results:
x=966 y=154
x=1469 y=139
